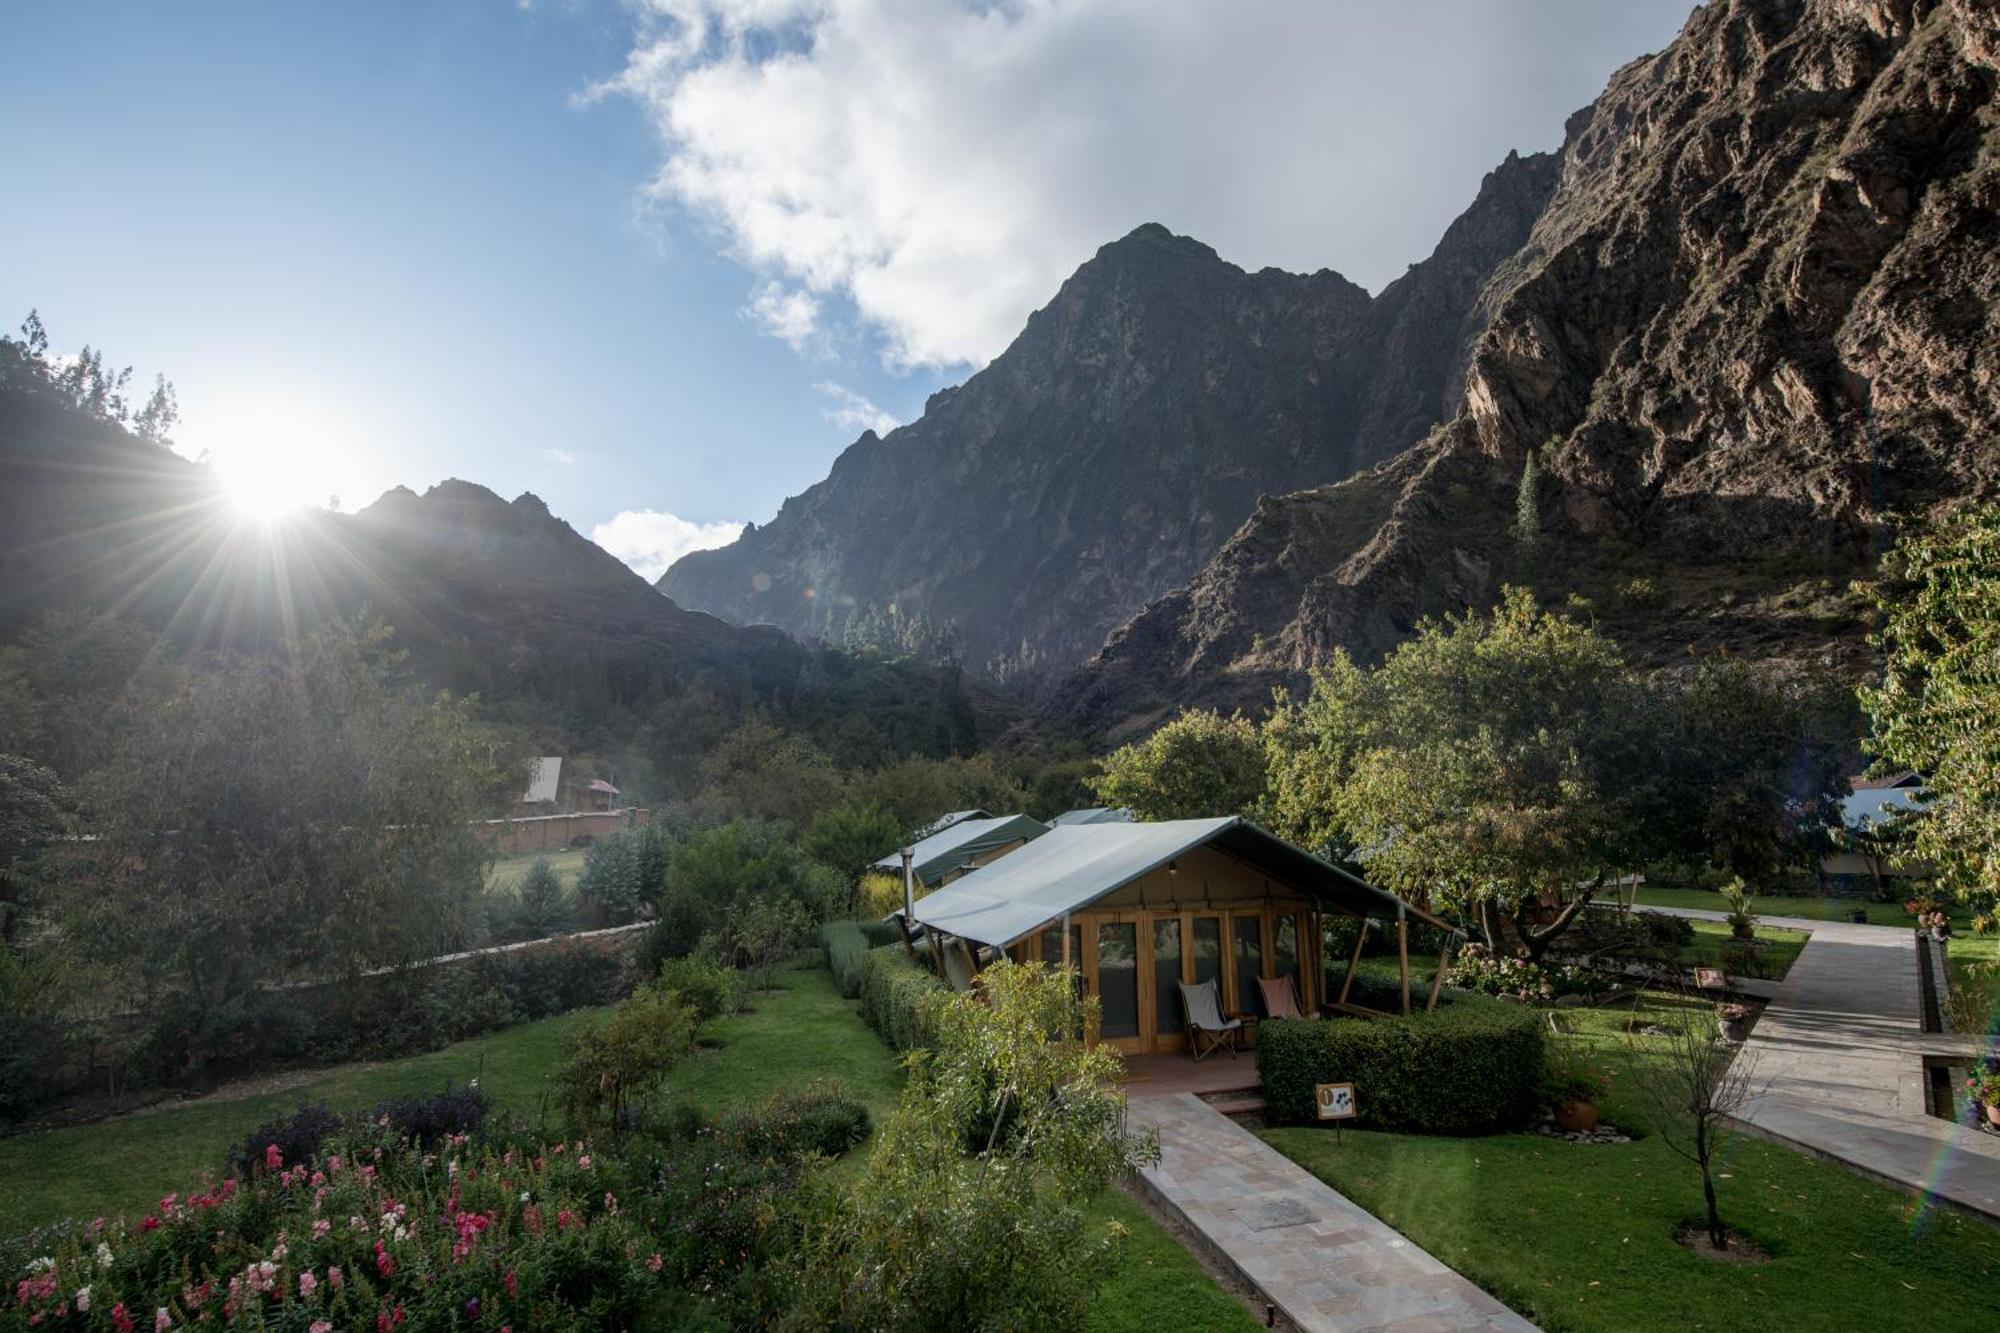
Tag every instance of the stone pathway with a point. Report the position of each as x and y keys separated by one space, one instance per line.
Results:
x=1839 y=1054
x=1325 y=1262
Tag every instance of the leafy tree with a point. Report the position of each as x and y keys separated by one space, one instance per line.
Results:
x=610 y=878
x=274 y=817
x=1937 y=708
x=1199 y=765
x=760 y=772
x=916 y=789
x=1490 y=764
x=974 y=1207
x=850 y=837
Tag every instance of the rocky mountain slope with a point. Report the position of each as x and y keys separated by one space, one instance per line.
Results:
x=1110 y=450
x=484 y=594
x=1757 y=324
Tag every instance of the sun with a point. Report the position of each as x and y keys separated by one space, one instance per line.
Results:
x=272 y=461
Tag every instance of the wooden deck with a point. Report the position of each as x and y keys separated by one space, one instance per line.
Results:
x=1168 y=1075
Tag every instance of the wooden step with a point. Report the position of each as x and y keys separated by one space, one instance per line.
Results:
x=1245 y=1103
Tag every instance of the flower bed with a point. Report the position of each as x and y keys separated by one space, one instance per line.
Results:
x=1476 y=968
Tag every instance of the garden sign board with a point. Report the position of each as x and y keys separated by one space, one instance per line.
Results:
x=1334 y=1100
x=1711 y=978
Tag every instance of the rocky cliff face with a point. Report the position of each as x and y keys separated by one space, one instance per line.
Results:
x=1119 y=441
x=1757 y=324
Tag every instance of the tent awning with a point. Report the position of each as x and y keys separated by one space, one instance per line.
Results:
x=1071 y=867
x=966 y=840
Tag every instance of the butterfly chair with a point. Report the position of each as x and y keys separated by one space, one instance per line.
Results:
x=1281 y=998
x=1208 y=1030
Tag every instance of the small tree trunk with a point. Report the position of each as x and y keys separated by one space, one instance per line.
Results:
x=1717 y=1236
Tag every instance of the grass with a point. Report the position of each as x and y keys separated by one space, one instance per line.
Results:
x=508 y=872
x=788 y=1037
x=1582 y=1237
x=126 y=1164
x=1712 y=941
x=1814 y=909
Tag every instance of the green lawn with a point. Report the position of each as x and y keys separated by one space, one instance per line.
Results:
x=788 y=1037
x=1581 y=1237
x=508 y=872
x=1813 y=909
x=1712 y=944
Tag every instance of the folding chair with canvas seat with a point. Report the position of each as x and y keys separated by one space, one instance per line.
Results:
x=1281 y=998
x=1208 y=1030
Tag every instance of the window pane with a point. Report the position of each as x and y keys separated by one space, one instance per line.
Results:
x=1284 y=945
x=1207 y=948
x=1167 y=974
x=1249 y=962
x=1118 y=977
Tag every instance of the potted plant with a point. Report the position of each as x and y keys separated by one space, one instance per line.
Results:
x=1742 y=921
x=1573 y=1085
x=1984 y=1089
x=1938 y=923
x=1734 y=1020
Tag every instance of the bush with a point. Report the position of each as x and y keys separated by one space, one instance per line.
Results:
x=881 y=894
x=427 y=1121
x=612 y=1068
x=846 y=946
x=894 y=988
x=819 y=1118
x=542 y=907
x=1472 y=1067
x=296 y=1137
x=704 y=988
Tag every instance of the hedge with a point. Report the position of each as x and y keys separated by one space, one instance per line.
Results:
x=1472 y=1067
x=846 y=942
x=893 y=990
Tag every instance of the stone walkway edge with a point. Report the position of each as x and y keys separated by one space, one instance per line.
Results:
x=1325 y=1262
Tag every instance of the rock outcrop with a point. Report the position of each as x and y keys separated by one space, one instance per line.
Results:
x=1756 y=326
x=1131 y=427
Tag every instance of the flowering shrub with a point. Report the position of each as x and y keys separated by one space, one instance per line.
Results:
x=1476 y=968
x=1984 y=1087
x=383 y=1236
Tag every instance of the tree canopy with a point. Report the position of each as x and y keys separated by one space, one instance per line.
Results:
x=1197 y=766
x=1937 y=708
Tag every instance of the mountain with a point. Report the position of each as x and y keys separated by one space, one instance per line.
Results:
x=1756 y=327
x=1114 y=446
x=484 y=594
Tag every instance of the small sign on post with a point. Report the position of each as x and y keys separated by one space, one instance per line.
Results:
x=1334 y=1100
x=1711 y=978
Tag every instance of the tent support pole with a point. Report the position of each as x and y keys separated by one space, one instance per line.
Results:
x=1403 y=951
x=1347 y=982
x=1437 y=978
x=909 y=900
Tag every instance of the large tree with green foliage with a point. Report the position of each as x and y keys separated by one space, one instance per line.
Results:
x=1937 y=708
x=1487 y=765
x=272 y=818
x=1199 y=765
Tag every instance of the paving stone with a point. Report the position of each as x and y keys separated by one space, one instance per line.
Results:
x=1323 y=1260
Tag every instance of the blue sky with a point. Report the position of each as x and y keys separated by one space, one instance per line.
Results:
x=666 y=258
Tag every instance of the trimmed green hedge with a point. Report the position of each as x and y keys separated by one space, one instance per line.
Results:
x=1472 y=1067
x=893 y=989
x=845 y=944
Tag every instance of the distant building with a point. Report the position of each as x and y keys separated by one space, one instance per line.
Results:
x=544 y=789
x=963 y=846
x=595 y=795
x=1869 y=845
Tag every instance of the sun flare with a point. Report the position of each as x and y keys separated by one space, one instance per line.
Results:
x=272 y=463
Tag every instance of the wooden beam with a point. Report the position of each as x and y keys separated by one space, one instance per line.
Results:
x=1437 y=978
x=1403 y=950
x=1347 y=982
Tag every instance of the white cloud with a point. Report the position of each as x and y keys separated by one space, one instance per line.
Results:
x=649 y=540
x=788 y=313
x=562 y=456
x=940 y=169
x=852 y=411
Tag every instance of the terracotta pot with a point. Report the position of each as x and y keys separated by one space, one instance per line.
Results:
x=1577 y=1117
x=1992 y=1110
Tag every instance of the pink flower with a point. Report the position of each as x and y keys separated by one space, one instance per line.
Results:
x=320 y=1326
x=384 y=1265
x=273 y=1159
x=333 y=1277
x=654 y=1264
x=307 y=1284
x=333 y=1164
x=120 y=1320
x=584 y=1161
x=512 y=1283
x=162 y=1321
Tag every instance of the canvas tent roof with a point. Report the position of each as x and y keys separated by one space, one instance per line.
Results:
x=944 y=852
x=945 y=821
x=1097 y=814
x=1077 y=864
x=544 y=779
x=1863 y=809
